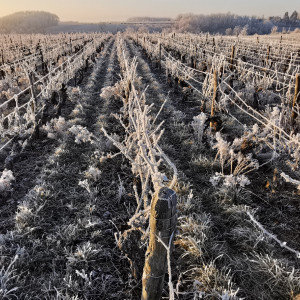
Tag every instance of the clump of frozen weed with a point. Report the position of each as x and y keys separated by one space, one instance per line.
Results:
x=6 y=179
x=24 y=217
x=83 y=254
x=108 y=92
x=82 y=135
x=230 y=187
x=210 y=282
x=93 y=173
x=198 y=125
x=56 y=128
x=74 y=93
x=178 y=117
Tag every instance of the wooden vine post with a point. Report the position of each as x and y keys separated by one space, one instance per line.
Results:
x=214 y=45
x=268 y=54
x=159 y=56
x=196 y=57
x=163 y=221
x=2 y=57
x=296 y=97
x=212 y=113
x=267 y=58
x=232 y=57
x=70 y=46
x=44 y=65
x=36 y=131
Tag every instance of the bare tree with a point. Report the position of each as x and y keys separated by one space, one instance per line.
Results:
x=294 y=16
x=286 y=16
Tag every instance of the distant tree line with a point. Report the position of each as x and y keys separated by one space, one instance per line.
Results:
x=222 y=23
x=232 y=24
x=27 y=22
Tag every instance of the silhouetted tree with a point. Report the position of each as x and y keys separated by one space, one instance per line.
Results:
x=286 y=16
x=27 y=22
x=294 y=16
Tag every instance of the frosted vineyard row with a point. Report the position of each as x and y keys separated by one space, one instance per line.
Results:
x=260 y=76
x=269 y=134
x=20 y=112
x=14 y=76
x=278 y=48
x=140 y=146
x=266 y=63
x=276 y=128
x=286 y=68
x=228 y=153
x=15 y=48
x=204 y=59
x=49 y=50
x=141 y=142
x=248 y=76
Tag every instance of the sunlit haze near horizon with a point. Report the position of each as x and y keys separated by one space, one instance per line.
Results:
x=120 y=10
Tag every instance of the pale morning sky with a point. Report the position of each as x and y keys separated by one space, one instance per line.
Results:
x=118 y=10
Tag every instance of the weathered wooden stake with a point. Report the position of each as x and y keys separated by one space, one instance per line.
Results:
x=232 y=57
x=196 y=57
x=36 y=131
x=2 y=57
x=163 y=221
x=71 y=46
x=212 y=113
x=296 y=97
x=127 y=92
x=267 y=59
x=192 y=62
x=268 y=53
x=159 y=57
x=62 y=98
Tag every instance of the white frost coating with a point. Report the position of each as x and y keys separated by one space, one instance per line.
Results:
x=214 y=180
x=198 y=125
x=229 y=180
x=23 y=116
x=94 y=173
x=272 y=236
x=5 y=181
x=56 y=127
x=107 y=92
x=223 y=149
x=287 y=178
x=82 y=134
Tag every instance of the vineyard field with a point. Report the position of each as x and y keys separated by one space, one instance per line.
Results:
x=95 y=128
